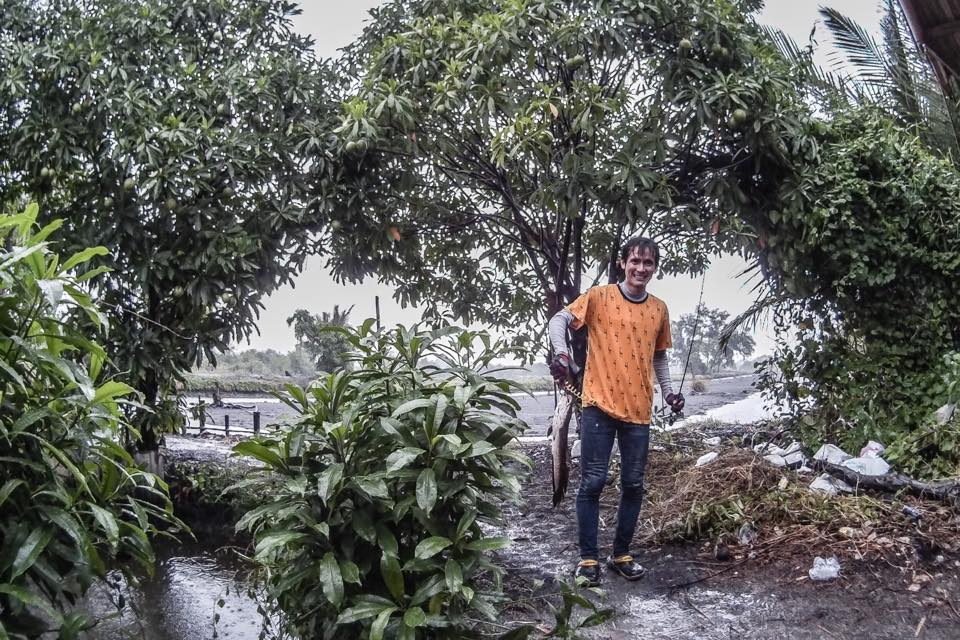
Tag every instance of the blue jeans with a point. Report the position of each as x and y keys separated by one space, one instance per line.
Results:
x=597 y=432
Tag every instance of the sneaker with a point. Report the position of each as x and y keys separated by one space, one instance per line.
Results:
x=626 y=567
x=590 y=571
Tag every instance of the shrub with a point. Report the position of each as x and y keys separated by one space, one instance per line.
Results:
x=699 y=385
x=71 y=498
x=386 y=479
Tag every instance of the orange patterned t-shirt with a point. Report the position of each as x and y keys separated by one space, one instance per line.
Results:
x=623 y=336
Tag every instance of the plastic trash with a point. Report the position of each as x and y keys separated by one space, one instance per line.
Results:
x=825 y=569
x=872 y=450
x=747 y=534
x=832 y=454
x=912 y=512
x=825 y=483
x=706 y=458
x=868 y=466
x=712 y=442
x=775 y=460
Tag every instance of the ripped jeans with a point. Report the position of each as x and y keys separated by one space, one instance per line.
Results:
x=597 y=433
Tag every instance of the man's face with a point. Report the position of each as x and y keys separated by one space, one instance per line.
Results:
x=638 y=268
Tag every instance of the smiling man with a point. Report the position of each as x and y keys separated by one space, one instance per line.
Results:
x=629 y=333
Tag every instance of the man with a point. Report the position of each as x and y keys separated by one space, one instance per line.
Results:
x=629 y=333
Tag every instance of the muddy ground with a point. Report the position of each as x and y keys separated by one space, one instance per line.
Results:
x=689 y=594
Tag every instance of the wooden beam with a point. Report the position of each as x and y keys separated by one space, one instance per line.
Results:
x=943 y=30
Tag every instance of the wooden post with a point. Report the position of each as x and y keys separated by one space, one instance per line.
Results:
x=226 y=424
x=256 y=422
x=376 y=304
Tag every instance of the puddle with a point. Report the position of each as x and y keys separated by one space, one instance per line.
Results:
x=180 y=601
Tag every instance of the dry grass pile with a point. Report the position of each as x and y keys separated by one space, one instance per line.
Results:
x=714 y=502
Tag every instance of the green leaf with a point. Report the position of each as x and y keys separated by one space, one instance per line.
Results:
x=350 y=571
x=411 y=405
x=8 y=487
x=83 y=256
x=108 y=522
x=454 y=575
x=466 y=521
x=392 y=575
x=414 y=617
x=598 y=618
x=374 y=487
x=370 y=607
x=479 y=449
x=111 y=390
x=402 y=457
x=272 y=541
x=29 y=551
x=427 y=490
x=329 y=480
x=488 y=544
x=29 y=598
x=380 y=624
x=259 y=452
x=431 y=546
x=331 y=580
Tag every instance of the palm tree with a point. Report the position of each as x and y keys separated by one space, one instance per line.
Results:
x=892 y=74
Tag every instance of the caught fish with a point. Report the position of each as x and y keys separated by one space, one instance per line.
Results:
x=559 y=449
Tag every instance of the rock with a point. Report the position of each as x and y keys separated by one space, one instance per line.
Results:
x=868 y=466
x=945 y=413
x=826 y=483
x=912 y=512
x=775 y=460
x=872 y=450
x=712 y=442
x=706 y=458
x=824 y=568
x=783 y=484
x=832 y=454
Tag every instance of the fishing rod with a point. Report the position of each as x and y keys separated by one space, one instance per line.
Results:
x=693 y=338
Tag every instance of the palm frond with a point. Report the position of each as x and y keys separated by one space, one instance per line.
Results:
x=801 y=58
x=861 y=49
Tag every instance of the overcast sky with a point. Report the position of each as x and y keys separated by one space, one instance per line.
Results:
x=335 y=23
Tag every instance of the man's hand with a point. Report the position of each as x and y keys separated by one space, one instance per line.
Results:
x=560 y=368
x=676 y=401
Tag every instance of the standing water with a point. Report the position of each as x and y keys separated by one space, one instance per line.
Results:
x=181 y=601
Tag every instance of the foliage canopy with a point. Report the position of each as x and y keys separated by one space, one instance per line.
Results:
x=175 y=134
x=502 y=150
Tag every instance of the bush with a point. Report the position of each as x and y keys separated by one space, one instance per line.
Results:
x=699 y=385
x=387 y=477
x=71 y=498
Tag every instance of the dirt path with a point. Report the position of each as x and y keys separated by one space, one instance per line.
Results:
x=687 y=594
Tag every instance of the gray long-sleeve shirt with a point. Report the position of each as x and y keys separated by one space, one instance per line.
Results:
x=560 y=323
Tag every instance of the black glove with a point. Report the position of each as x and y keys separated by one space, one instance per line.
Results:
x=676 y=401
x=560 y=368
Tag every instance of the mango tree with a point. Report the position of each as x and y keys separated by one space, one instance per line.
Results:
x=498 y=153
x=173 y=133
